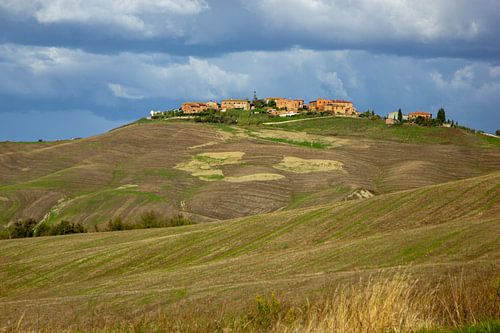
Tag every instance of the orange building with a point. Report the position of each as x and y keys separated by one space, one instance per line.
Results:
x=212 y=105
x=289 y=104
x=414 y=115
x=197 y=107
x=276 y=99
x=229 y=104
x=193 y=107
x=337 y=106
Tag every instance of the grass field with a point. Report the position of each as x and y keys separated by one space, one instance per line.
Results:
x=431 y=231
x=377 y=130
x=279 y=245
x=166 y=167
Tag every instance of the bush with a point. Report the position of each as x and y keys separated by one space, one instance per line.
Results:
x=152 y=219
x=267 y=311
x=116 y=224
x=22 y=228
x=149 y=219
x=65 y=227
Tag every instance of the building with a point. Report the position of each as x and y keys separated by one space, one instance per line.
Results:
x=289 y=104
x=194 y=107
x=229 y=104
x=154 y=113
x=212 y=105
x=197 y=107
x=393 y=115
x=391 y=121
x=337 y=106
x=414 y=115
x=268 y=99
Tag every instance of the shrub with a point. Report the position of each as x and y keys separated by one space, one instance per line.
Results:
x=149 y=219
x=22 y=228
x=152 y=219
x=65 y=227
x=116 y=224
x=267 y=311
x=177 y=221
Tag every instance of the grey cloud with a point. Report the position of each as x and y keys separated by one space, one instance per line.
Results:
x=141 y=18
x=462 y=29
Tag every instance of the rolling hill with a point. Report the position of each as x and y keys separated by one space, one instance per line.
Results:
x=298 y=209
x=210 y=172
x=432 y=231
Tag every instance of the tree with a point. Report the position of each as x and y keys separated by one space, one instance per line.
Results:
x=441 y=115
x=22 y=228
x=400 y=115
x=497 y=132
x=271 y=103
x=65 y=227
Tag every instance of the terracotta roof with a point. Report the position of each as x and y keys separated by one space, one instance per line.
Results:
x=423 y=113
x=332 y=100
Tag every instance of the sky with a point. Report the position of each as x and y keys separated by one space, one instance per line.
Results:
x=76 y=68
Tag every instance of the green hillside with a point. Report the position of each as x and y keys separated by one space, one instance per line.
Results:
x=210 y=172
x=376 y=129
x=432 y=231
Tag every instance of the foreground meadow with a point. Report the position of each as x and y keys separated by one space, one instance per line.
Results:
x=404 y=261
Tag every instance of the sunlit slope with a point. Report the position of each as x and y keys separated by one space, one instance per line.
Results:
x=431 y=229
x=215 y=172
x=376 y=129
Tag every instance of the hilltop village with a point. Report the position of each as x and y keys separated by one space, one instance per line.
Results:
x=276 y=106
x=287 y=107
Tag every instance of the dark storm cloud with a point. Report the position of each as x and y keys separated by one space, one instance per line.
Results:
x=468 y=29
x=112 y=61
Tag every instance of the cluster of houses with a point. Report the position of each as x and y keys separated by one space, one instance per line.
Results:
x=275 y=105
x=284 y=107
x=393 y=117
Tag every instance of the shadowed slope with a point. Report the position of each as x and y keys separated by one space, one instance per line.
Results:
x=433 y=229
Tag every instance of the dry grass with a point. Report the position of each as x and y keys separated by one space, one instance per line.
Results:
x=383 y=302
x=86 y=173
x=400 y=303
x=301 y=165
x=298 y=254
x=254 y=177
x=394 y=304
x=205 y=165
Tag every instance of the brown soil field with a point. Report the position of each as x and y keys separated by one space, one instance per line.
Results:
x=87 y=180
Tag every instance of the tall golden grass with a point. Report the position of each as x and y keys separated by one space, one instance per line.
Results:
x=399 y=303
x=378 y=303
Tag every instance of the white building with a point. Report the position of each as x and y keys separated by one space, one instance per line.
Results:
x=394 y=115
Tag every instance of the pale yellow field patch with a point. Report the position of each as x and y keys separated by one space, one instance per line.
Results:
x=220 y=158
x=254 y=177
x=124 y=187
x=204 y=165
x=300 y=165
x=4 y=199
